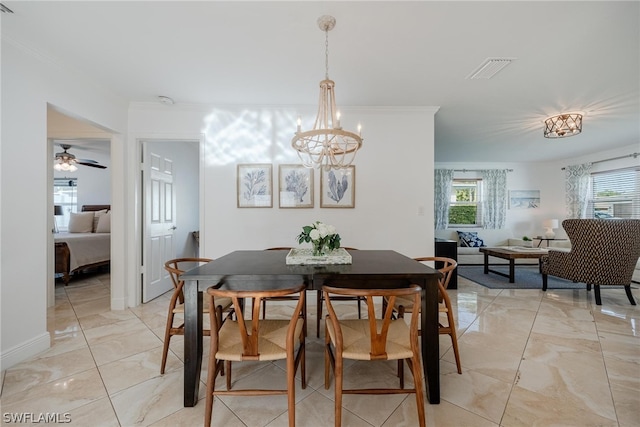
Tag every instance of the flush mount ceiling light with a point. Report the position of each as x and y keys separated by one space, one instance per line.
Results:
x=327 y=145
x=563 y=125
x=166 y=100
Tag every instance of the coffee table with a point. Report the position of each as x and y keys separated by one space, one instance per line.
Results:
x=510 y=253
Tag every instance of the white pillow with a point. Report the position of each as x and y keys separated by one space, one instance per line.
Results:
x=104 y=223
x=81 y=222
x=97 y=215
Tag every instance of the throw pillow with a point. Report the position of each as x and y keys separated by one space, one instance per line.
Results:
x=104 y=223
x=81 y=222
x=470 y=239
x=97 y=215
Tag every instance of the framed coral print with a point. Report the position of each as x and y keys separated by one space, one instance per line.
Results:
x=338 y=188
x=254 y=186
x=295 y=186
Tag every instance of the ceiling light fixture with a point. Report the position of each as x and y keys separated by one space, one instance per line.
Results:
x=65 y=162
x=166 y=100
x=327 y=145
x=563 y=125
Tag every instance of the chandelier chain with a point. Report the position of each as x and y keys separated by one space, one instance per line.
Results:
x=326 y=54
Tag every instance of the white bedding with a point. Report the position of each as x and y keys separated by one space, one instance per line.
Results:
x=86 y=248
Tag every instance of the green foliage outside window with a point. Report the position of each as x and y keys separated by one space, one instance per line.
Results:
x=462 y=214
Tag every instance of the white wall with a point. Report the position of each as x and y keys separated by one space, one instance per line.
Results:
x=394 y=175
x=28 y=84
x=549 y=178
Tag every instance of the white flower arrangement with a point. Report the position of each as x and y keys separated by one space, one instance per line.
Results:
x=323 y=237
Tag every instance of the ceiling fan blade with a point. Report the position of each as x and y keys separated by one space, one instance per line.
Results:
x=87 y=161
x=93 y=165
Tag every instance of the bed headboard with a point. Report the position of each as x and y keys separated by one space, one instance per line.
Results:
x=93 y=208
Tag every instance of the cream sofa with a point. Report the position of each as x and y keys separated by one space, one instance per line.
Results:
x=491 y=238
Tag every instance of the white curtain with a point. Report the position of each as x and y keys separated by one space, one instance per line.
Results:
x=494 y=201
x=578 y=189
x=443 y=183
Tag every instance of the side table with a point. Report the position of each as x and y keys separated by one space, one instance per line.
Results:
x=449 y=249
x=541 y=239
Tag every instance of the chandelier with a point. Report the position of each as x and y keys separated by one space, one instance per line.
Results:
x=327 y=145
x=563 y=125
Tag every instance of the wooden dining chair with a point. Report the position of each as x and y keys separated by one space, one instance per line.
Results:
x=283 y=298
x=320 y=299
x=256 y=339
x=176 y=267
x=372 y=339
x=403 y=306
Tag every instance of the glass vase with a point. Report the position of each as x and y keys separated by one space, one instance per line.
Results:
x=319 y=249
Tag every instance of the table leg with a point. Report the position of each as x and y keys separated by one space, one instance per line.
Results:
x=192 y=342
x=430 y=340
x=512 y=270
x=486 y=263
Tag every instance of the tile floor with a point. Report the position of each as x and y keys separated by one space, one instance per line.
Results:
x=529 y=358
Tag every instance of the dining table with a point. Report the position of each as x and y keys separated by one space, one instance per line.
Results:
x=259 y=270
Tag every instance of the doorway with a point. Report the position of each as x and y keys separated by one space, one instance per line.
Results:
x=91 y=147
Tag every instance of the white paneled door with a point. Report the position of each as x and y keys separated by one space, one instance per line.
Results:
x=159 y=221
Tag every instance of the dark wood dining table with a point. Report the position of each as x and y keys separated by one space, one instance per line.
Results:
x=258 y=269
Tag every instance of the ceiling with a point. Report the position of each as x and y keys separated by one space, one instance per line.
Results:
x=570 y=56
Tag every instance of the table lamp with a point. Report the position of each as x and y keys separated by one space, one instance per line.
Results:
x=57 y=211
x=549 y=225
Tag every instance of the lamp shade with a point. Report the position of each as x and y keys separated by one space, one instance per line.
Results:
x=57 y=210
x=549 y=225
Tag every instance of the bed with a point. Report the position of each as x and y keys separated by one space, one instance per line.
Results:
x=79 y=251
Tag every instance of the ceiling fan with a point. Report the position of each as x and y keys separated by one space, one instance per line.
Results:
x=66 y=161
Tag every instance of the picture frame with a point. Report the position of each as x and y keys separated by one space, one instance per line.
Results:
x=295 y=186
x=524 y=199
x=254 y=185
x=338 y=188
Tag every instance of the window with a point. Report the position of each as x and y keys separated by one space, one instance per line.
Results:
x=616 y=194
x=464 y=207
x=65 y=194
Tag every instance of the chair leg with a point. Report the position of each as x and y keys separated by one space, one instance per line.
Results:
x=359 y=308
x=167 y=338
x=596 y=288
x=228 y=371
x=544 y=282
x=327 y=358
x=338 y=391
x=419 y=384
x=454 y=340
x=291 y=389
x=319 y=313
x=627 y=289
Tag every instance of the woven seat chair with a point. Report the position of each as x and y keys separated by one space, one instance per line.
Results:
x=176 y=267
x=370 y=339
x=256 y=339
x=283 y=298
x=320 y=299
x=603 y=252
x=402 y=306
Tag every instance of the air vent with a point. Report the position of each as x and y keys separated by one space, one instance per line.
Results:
x=489 y=68
x=5 y=9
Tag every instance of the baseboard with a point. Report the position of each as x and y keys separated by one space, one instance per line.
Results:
x=25 y=351
x=118 y=304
